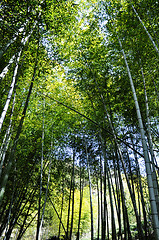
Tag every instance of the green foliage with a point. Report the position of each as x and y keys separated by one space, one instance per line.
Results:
x=80 y=69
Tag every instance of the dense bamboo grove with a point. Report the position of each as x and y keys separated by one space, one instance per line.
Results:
x=79 y=103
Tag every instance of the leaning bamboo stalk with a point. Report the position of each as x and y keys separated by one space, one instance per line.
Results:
x=12 y=59
x=6 y=139
x=145 y=150
x=12 y=153
x=10 y=91
x=13 y=39
x=149 y=35
x=149 y=136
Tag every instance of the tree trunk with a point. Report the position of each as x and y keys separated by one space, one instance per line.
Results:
x=98 y=232
x=118 y=200
x=73 y=193
x=141 y=190
x=153 y=160
x=6 y=139
x=39 y=221
x=146 y=156
x=11 y=156
x=81 y=199
x=90 y=192
x=145 y=29
x=23 y=42
x=46 y=194
x=101 y=205
x=106 y=174
x=10 y=91
x=20 y=234
x=59 y=217
x=13 y=39
x=61 y=211
x=69 y=206
x=139 y=226
x=5 y=70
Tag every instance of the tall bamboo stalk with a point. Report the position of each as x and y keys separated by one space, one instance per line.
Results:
x=39 y=220
x=90 y=193
x=11 y=156
x=146 y=155
x=149 y=35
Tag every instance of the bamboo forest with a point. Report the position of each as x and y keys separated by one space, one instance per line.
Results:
x=79 y=123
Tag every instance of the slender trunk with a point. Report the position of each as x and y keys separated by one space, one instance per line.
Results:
x=106 y=174
x=81 y=200
x=30 y=201
x=139 y=199
x=10 y=91
x=11 y=156
x=12 y=40
x=118 y=200
x=19 y=204
x=69 y=206
x=112 y=210
x=107 y=237
x=61 y=210
x=101 y=193
x=146 y=156
x=141 y=189
x=73 y=193
x=98 y=232
x=139 y=226
x=116 y=204
x=153 y=159
x=9 y=215
x=46 y=194
x=105 y=217
x=39 y=221
x=26 y=216
x=28 y=225
x=90 y=192
x=16 y=213
x=154 y=44
x=3 y=216
x=5 y=70
x=6 y=139
x=127 y=232
x=59 y=217
x=131 y=174
x=156 y=90
x=23 y=42
x=148 y=121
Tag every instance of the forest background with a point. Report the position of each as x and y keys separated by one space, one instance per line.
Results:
x=79 y=119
